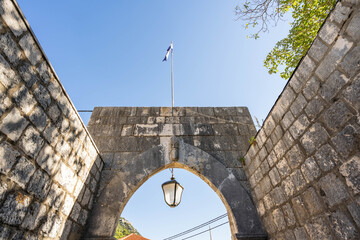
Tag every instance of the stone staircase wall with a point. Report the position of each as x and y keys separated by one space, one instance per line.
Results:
x=304 y=169
x=49 y=166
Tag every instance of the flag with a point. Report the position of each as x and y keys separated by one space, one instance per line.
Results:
x=168 y=52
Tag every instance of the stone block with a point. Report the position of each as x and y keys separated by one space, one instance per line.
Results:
x=299 y=126
x=31 y=142
x=354 y=209
x=22 y=172
x=332 y=190
x=269 y=125
x=288 y=186
x=30 y=48
x=301 y=234
x=277 y=134
x=10 y=48
x=45 y=73
x=333 y=58
x=351 y=94
x=68 y=205
x=274 y=176
x=12 y=18
x=328 y=32
x=340 y=13
x=39 y=118
x=326 y=157
x=289 y=215
x=351 y=61
x=24 y=99
x=298 y=180
x=294 y=156
x=314 y=108
x=265 y=185
x=54 y=89
x=313 y=203
x=66 y=177
x=314 y=137
x=283 y=168
x=310 y=170
x=299 y=210
x=286 y=99
x=337 y=115
x=345 y=141
x=280 y=149
x=52 y=225
x=7 y=76
x=43 y=96
x=51 y=134
x=5 y=232
x=311 y=88
x=13 y=124
x=353 y=27
x=55 y=197
x=3 y=189
x=39 y=184
x=342 y=226
x=8 y=156
x=317 y=50
x=268 y=202
x=278 y=196
x=28 y=74
x=63 y=148
x=279 y=220
x=287 y=120
x=298 y=105
x=36 y=213
x=83 y=217
x=296 y=82
x=351 y=171
x=14 y=208
x=318 y=229
x=333 y=85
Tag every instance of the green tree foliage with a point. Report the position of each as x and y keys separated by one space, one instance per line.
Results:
x=124 y=228
x=308 y=15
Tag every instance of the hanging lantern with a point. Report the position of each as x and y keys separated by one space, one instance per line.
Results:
x=172 y=192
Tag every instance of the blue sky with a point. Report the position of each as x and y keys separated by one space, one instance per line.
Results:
x=109 y=53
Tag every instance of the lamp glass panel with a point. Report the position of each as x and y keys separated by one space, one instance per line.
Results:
x=179 y=190
x=169 y=189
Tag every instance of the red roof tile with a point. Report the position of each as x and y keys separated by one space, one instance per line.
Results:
x=133 y=236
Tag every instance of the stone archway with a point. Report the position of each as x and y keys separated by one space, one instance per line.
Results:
x=137 y=143
x=243 y=218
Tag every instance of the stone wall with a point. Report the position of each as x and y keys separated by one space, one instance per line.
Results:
x=138 y=142
x=304 y=169
x=47 y=173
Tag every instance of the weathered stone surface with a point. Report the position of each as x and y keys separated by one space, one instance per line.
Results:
x=298 y=105
x=66 y=177
x=14 y=208
x=342 y=226
x=310 y=170
x=36 y=213
x=299 y=209
x=329 y=32
x=298 y=180
x=337 y=115
x=28 y=74
x=299 y=126
x=340 y=13
x=283 y=168
x=39 y=184
x=332 y=189
x=351 y=171
x=279 y=220
x=45 y=73
x=351 y=93
x=353 y=27
x=68 y=205
x=289 y=215
x=332 y=85
x=300 y=233
x=43 y=96
x=52 y=225
x=30 y=49
x=31 y=142
x=333 y=58
x=354 y=209
x=22 y=172
x=55 y=196
x=314 y=137
x=295 y=156
x=24 y=99
x=312 y=201
x=10 y=154
x=10 y=48
x=13 y=124
x=318 y=229
x=317 y=50
x=326 y=157
x=345 y=141
x=314 y=108
x=39 y=119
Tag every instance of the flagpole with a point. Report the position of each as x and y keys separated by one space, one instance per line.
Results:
x=172 y=79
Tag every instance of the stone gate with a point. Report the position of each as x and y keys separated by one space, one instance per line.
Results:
x=136 y=143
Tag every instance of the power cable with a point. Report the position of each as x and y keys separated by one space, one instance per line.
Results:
x=205 y=231
x=197 y=227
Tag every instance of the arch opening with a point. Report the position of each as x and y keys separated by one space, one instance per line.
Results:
x=243 y=218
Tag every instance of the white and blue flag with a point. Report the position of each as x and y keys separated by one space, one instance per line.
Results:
x=168 y=52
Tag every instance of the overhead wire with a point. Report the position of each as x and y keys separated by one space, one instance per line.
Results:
x=197 y=227
x=205 y=230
